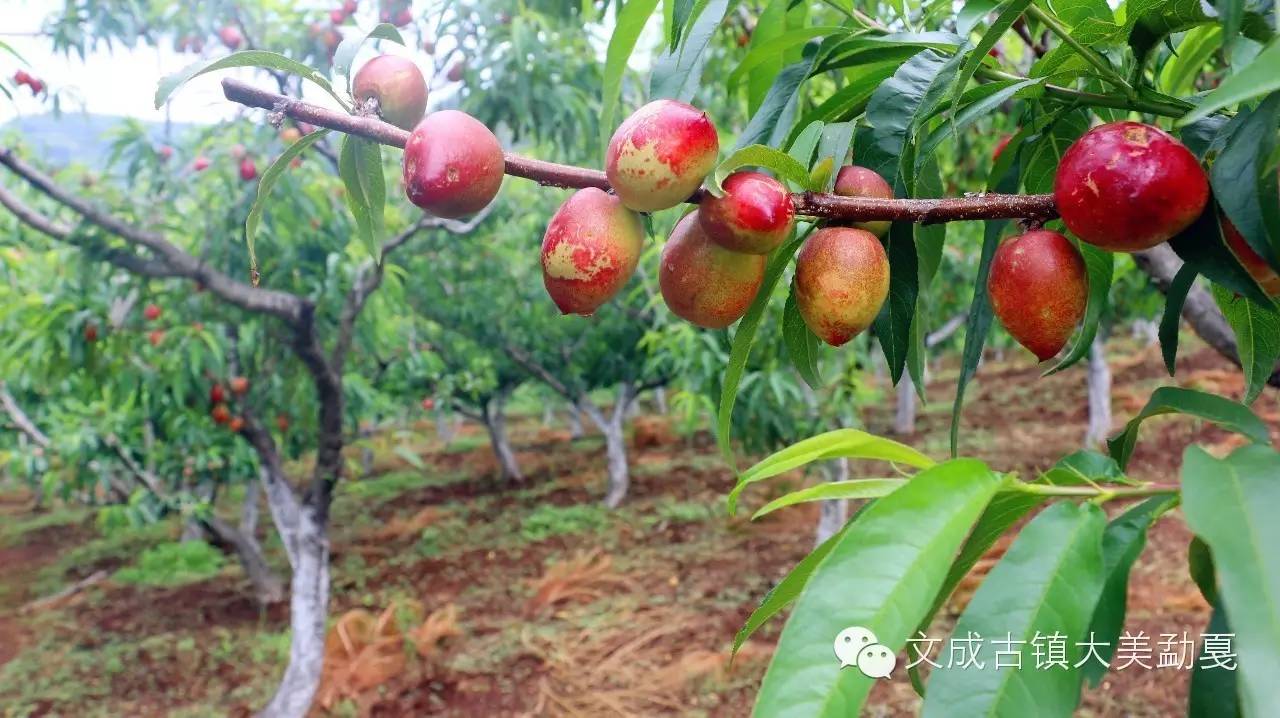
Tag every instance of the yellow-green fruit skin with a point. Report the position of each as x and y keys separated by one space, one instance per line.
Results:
x=842 y=279
x=659 y=156
x=704 y=283
x=855 y=181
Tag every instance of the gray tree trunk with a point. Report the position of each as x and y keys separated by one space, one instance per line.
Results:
x=308 y=545
x=267 y=586
x=660 y=400
x=495 y=421
x=1099 y=393
x=904 y=419
x=575 y=422
x=615 y=445
x=833 y=512
x=445 y=427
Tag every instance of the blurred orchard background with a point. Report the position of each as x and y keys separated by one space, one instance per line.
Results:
x=475 y=565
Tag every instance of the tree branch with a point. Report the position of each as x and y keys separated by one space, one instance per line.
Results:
x=810 y=204
x=181 y=264
x=20 y=418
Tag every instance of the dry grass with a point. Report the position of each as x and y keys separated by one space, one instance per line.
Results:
x=584 y=578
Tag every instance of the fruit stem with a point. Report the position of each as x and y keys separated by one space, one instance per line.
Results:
x=1037 y=207
x=1093 y=58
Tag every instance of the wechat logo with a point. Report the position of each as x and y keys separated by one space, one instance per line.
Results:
x=857 y=646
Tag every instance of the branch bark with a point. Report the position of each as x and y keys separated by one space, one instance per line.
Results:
x=811 y=204
x=20 y=418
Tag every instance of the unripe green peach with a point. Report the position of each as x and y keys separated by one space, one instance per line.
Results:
x=842 y=279
x=1126 y=186
x=453 y=164
x=590 y=250
x=1039 y=290
x=659 y=156
x=855 y=181
x=398 y=86
x=754 y=216
x=704 y=283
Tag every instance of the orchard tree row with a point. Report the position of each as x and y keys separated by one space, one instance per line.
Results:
x=1147 y=135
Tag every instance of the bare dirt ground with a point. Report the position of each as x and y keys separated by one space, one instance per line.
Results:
x=457 y=595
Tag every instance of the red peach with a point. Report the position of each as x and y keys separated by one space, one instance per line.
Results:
x=151 y=312
x=590 y=250
x=453 y=164
x=230 y=36
x=200 y=164
x=248 y=170
x=841 y=281
x=239 y=385
x=1126 y=186
x=754 y=216
x=704 y=283
x=659 y=156
x=1252 y=262
x=1039 y=290
x=397 y=85
x=220 y=413
x=856 y=181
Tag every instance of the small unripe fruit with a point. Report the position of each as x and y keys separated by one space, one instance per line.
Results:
x=155 y=337
x=217 y=394
x=248 y=170
x=220 y=413
x=842 y=279
x=231 y=37
x=1127 y=186
x=856 y=181
x=754 y=216
x=398 y=86
x=453 y=164
x=239 y=385
x=1039 y=289
x=704 y=283
x=1252 y=262
x=659 y=156
x=151 y=312
x=236 y=424
x=200 y=164
x=590 y=250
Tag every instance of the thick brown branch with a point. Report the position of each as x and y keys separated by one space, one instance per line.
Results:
x=280 y=304
x=823 y=206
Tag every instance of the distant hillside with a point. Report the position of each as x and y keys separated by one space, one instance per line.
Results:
x=75 y=136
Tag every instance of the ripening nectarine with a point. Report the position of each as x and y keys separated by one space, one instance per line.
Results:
x=842 y=279
x=397 y=85
x=453 y=164
x=1039 y=289
x=856 y=181
x=754 y=216
x=590 y=250
x=704 y=283
x=659 y=156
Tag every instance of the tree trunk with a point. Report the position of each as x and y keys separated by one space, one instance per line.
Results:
x=575 y=422
x=308 y=607
x=445 y=428
x=495 y=421
x=1099 y=393
x=660 y=400
x=833 y=512
x=267 y=586
x=615 y=444
x=904 y=420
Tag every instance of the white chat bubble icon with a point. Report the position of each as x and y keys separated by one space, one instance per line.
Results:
x=850 y=641
x=876 y=661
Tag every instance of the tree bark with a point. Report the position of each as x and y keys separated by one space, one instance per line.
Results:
x=575 y=422
x=615 y=445
x=904 y=420
x=833 y=513
x=495 y=421
x=308 y=607
x=660 y=400
x=445 y=427
x=1099 y=392
x=267 y=586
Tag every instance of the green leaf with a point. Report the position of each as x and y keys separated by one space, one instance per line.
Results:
x=743 y=338
x=267 y=183
x=1178 y=75
x=853 y=489
x=244 y=58
x=1084 y=467
x=780 y=163
x=676 y=73
x=360 y=167
x=1041 y=160
x=350 y=45
x=899 y=106
x=1171 y=320
x=632 y=16
x=1215 y=692
x=802 y=345
x=1230 y=504
x=972 y=112
x=1009 y=11
x=681 y=11
x=781 y=595
x=775 y=47
x=806 y=142
x=1255 y=80
x=1257 y=330
x=1100 y=266
x=1049 y=581
x=837 y=138
x=770 y=123
x=893 y=324
x=978 y=325
x=1228 y=414
x=1122 y=542
x=1200 y=566
x=881 y=575
x=1244 y=181
x=841 y=443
